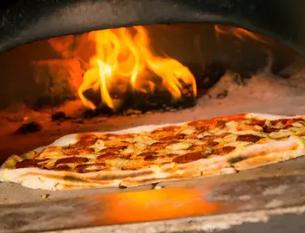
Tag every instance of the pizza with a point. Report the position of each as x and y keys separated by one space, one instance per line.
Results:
x=150 y=154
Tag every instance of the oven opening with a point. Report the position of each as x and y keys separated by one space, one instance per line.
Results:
x=112 y=79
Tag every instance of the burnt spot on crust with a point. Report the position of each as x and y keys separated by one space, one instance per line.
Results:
x=150 y=156
x=82 y=168
x=248 y=138
x=189 y=157
x=236 y=159
x=73 y=179
x=129 y=174
x=71 y=160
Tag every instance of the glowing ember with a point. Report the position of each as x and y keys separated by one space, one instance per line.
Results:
x=240 y=33
x=124 y=63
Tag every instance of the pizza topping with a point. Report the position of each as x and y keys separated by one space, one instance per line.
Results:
x=268 y=129
x=248 y=138
x=113 y=150
x=189 y=157
x=160 y=144
x=258 y=122
x=72 y=160
x=62 y=168
x=174 y=137
x=27 y=163
x=108 y=155
x=224 y=150
x=150 y=157
x=74 y=150
x=221 y=124
x=212 y=143
x=86 y=140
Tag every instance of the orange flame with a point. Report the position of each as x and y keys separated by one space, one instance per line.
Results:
x=238 y=32
x=124 y=61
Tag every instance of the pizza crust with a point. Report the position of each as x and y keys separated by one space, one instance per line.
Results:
x=253 y=156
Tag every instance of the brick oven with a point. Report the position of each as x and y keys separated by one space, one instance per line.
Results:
x=88 y=65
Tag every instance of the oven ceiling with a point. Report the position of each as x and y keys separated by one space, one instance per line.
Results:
x=25 y=21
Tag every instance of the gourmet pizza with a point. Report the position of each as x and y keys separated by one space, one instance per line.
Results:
x=151 y=154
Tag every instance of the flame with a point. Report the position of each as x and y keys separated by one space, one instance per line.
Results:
x=124 y=62
x=238 y=32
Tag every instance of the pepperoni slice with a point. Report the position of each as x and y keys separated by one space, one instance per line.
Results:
x=174 y=137
x=268 y=129
x=72 y=160
x=74 y=150
x=113 y=149
x=248 y=138
x=212 y=143
x=161 y=144
x=107 y=155
x=86 y=140
x=224 y=150
x=27 y=163
x=220 y=124
x=148 y=156
x=189 y=157
x=62 y=168
x=258 y=122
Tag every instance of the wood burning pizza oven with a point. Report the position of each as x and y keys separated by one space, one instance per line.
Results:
x=155 y=61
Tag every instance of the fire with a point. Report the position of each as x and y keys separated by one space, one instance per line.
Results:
x=124 y=62
x=238 y=32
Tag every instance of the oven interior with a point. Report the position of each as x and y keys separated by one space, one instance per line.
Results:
x=118 y=78
x=157 y=74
